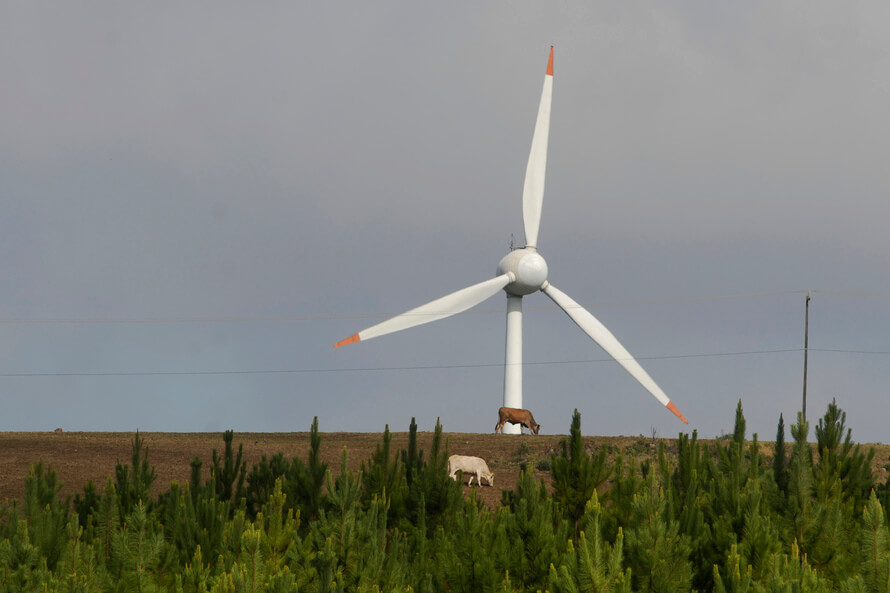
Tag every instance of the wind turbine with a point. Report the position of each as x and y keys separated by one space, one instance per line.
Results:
x=522 y=272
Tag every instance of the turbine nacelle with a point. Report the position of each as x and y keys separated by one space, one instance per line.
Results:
x=528 y=270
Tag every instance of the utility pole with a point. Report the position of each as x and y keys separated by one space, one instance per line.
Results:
x=806 y=350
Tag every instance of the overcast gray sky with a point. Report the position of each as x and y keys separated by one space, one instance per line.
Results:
x=197 y=200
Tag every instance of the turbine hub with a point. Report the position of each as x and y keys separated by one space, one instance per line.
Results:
x=529 y=269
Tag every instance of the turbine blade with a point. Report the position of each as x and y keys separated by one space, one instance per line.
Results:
x=602 y=336
x=533 y=191
x=448 y=305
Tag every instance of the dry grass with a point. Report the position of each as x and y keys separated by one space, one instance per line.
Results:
x=78 y=457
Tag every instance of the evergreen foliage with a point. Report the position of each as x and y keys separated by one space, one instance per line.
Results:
x=708 y=519
x=134 y=481
x=690 y=496
x=262 y=479
x=309 y=477
x=468 y=562
x=874 y=548
x=657 y=553
x=882 y=491
x=738 y=577
x=302 y=482
x=45 y=513
x=228 y=471
x=576 y=475
x=529 y=517
x=780 y=459
x=594 y=566
x=791 y=572
x=86 y=506
x=384 y=477
x=107 y=518
x=193 y=522
x=431 y=492
x=841 y=463
x=136 y=553
x=738 y=514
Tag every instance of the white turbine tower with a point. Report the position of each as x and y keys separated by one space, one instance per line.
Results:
x=522 y=272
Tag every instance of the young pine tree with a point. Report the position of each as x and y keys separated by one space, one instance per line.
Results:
x=818 y=519
x=791 y=572
x=281 y=528
x=840 y=460
x=430 y=488
x=592 y=566
x=228 y=471
x=737 y=575
x=22 y=566
x=465 y=550
x=249 y=574
x=576 y=475
x=780 y=459
x=46 y=512
x=78 y=568
x=657 y=553
x=262 y=480
x=527 y=528
x=309 y=478
x=874 y=548
x=384 y=475
x=136 y=552
x=134 y=481
x=192 y=522
x=86 y=506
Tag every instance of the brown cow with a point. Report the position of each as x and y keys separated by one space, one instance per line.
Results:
x=516 y=416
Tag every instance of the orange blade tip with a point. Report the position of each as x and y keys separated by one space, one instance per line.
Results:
x=673 y=408
x=550 y=63
x=350 y=340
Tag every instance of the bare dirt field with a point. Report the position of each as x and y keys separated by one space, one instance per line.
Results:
x=78 y=457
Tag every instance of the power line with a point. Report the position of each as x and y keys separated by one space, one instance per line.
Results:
x=849 y=293
x=849 y=351
x=424 y=367
x=163 y=320
x=297 y=318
